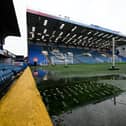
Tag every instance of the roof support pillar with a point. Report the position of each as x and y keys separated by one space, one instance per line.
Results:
x=113 y=52
x=113 y=56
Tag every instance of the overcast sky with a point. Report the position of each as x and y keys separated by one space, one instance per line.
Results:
x=106 y=13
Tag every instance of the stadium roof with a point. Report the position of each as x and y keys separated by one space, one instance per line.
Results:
x=45 y=28
x=8 y=20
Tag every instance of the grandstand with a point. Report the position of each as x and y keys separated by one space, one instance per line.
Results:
x=67 y=41
x=8 y=70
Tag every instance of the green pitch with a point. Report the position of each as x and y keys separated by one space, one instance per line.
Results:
x=85 y=69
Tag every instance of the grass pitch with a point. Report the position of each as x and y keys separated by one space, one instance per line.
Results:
x=85 y=69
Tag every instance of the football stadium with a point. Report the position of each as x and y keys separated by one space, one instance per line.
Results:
x=74 y=74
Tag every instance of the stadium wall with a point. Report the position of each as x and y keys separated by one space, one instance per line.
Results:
x=35 y=51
